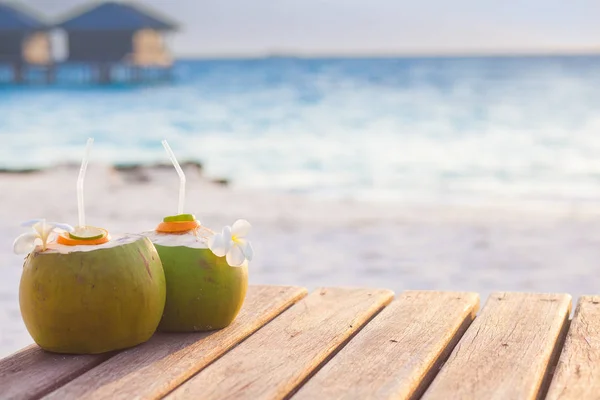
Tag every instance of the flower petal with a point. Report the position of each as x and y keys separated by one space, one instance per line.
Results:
x=31 y=222
x=218 y=245
x=40 y=227
x=226 y=232
x=249 y=251
x=240 y=228
x=235 y=256
x=52 y=237
x=246 y=248
x=64 y=227
x=25 y=243
x=47 y=228
x=44 y=229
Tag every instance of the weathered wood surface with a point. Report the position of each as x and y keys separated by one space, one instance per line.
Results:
x=32 y=372
x=506 y=352
x=155 y=368
x=344 y=343
x=399 y=351
x=274 y=361
x=577 y=375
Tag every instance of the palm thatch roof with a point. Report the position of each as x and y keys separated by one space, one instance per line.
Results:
x=15 y=17
x=117 y=16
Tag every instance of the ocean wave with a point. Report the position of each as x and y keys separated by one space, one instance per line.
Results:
x=431 y=129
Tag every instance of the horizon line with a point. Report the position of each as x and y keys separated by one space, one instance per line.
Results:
x=360 y=54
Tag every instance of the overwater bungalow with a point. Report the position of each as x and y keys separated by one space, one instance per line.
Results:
x=24 y=41
x=113 y=34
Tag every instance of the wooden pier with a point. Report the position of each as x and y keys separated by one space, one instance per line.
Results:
x=103 y=39
x=339 y=343
x=24 y=43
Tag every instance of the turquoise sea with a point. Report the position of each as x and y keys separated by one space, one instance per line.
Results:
x=411 y=129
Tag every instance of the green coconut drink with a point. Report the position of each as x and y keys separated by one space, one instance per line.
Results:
x=203 y=291
x=88 y=299
x=85 y=292
x=206 y=272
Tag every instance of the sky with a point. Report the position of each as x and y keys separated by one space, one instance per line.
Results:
x=372 y=27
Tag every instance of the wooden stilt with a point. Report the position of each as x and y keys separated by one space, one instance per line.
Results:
x=50 y=74
x=137 y=74
x=18 y=72
x=169 y=73
x=104 y=74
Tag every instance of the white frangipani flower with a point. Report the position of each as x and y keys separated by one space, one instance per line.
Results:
x=41 y=230
x=232 y=243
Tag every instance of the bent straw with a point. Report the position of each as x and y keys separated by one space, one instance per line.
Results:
x=84 y=164
x=180 y=173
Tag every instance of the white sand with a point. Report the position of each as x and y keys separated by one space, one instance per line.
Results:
x=299 y=241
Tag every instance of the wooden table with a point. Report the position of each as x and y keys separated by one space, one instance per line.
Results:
x=344 y=343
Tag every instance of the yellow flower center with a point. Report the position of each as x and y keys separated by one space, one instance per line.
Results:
x=235 y=239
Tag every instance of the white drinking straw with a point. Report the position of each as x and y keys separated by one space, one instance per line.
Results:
x=84 y=164
x=180 y=173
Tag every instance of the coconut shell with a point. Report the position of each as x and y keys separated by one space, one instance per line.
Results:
x=203 y=292
x=93 y=301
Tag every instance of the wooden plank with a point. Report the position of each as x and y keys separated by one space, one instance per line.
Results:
x=577 y=375
x=396 y=354
x=276 y=360
x=156 y=367
x=506 y=351
x=33 y=372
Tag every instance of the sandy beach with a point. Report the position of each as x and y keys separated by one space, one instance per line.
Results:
x=305 y=241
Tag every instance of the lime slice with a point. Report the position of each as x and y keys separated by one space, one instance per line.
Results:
x=180 y=218
x=87 y=233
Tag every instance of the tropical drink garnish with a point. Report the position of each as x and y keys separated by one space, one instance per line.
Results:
x=84 y=235
x=177 y=226
x=180 y=218
x=87 y=233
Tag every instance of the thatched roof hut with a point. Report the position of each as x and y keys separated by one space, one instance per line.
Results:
x=114 y=32
x=23 y=37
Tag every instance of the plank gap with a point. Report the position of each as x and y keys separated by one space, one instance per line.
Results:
x=392 y=354
x=507 y=350
x=273 y=362
x=225 y=353
x=67 y=379
x=156 y=367
x=577 y=372
x=545 y=386
x=439 y=363
x=33 y=373
x=333 y=354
